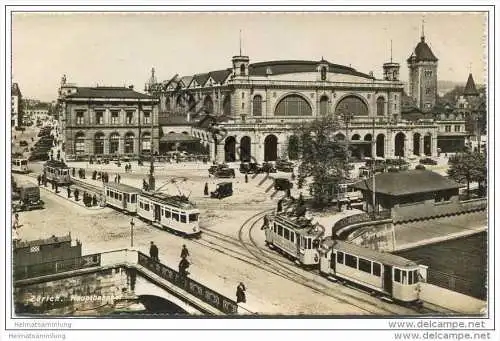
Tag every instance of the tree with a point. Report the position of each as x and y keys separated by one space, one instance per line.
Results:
x=322 y=158
x=468 y=167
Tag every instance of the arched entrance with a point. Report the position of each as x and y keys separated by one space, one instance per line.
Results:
x=428 y=144
x=380 y=145
x=245 y=149
x=416 y=144
x=270 y=148
x=230 y=149
x=399 y=145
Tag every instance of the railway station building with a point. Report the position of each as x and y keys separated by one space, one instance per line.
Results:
x=259 y=104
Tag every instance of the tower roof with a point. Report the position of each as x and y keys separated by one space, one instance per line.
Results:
x=422 y=53
x=470 y=87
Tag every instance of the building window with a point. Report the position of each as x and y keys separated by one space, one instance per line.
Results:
x=447 y=129
x=427 y=105
x=79 y=117
x=243 y=106
x=130 y=117
x=114 y=117
x=147 y=117
x=114 y=143
x=242 y=95
x=257 y=105
x=99 y=117
x=80 y=144
x=242 y=69
x=146 y=143
x=428 y=73
x=428 y=91
x=351 y=105
x=129 y=143
x=457 y=128
x=323 y=73
x=380 y=106
x=99 y=143
x=293 y=105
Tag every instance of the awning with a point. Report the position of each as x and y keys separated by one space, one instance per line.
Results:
x=176 y=137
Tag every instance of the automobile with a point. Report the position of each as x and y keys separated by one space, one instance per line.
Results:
x=223 y=189
x=224 y=172
x=284 y=166
x=428 y=161
x=214 y=168
x=268 y=167
x=282 y=184
x=250 y=168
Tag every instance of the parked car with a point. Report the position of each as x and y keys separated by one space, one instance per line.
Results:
x=225 y=172
x=224 y=189
x=214 y=168
x=284 y=166
x=428 y=161
x=268 y=167
x=282 y=184
x=250 y=168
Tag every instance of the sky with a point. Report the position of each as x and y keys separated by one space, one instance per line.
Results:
x=117 y=49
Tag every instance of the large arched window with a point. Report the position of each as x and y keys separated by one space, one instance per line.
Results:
x=380 y=106
x=243 y=70
x=351 y=105
x=80 y=143
x=257 y=105
x=129 y=143
x=99 y=143
x=323 y=106
x=293 y=105
x=114 y=143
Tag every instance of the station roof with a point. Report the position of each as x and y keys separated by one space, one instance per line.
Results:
x=407 y=182
x=369 y=254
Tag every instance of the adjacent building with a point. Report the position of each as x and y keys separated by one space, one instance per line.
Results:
x=16 y=113
x=107 y=121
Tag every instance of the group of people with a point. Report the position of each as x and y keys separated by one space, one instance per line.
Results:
x=128 y=167
x=42 y=179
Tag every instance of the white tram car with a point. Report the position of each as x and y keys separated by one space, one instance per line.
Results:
x=121 y=196
x=57 y=172
x=385 y=273
x=20 y=166
x=296 y=237
x=170 y=212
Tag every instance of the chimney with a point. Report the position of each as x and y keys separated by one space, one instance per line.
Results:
x=131 y=87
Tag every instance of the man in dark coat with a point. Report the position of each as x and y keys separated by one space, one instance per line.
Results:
x=69 y=192
x=76 y=193
x=39 y=179
x=153 y=251
x=265 y=225
x=184 y=252
x=183 y=266
x=246 y=178
x=240 y=293
x=205 y=191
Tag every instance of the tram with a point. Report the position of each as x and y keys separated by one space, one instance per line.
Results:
x=121 y=196
x=297 y=237
x=385 y=273
x=57 y=172
x=174 y=213
x=20 y=166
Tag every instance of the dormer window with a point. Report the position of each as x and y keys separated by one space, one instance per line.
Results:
x=323 y=73
x=242 y=69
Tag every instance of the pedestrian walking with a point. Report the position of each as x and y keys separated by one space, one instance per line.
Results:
x=69 y=191
x=153 y=252
x=39 y=179
x=184 y=252
x=240 y=293
x=265 y=224
x=94 y=200
x=205 y=191
x=118 y=177
x=15 y=228
x=246 y=178
x=76 y=193
x=56 y=188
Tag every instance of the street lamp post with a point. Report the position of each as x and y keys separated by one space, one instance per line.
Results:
x=132 y=232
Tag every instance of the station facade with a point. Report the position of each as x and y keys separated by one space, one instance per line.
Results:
x=259 y=105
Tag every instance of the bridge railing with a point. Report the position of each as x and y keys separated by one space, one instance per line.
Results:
x=195 y=288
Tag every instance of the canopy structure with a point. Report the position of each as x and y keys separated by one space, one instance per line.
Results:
x=178 y=138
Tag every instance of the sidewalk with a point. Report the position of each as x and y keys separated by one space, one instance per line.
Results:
x=432 y=231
